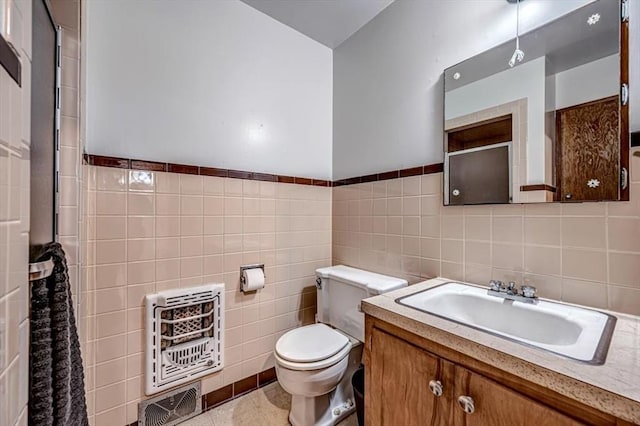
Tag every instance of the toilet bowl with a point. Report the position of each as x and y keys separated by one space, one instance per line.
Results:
x=314 y=363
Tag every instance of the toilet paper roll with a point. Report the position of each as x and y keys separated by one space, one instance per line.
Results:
x=253 y=279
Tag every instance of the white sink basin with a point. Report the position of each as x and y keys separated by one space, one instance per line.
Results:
x=578 y=333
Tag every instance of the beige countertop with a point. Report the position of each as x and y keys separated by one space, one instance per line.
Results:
x=612 y=388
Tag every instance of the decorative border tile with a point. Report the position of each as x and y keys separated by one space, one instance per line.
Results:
x=154 y=166
x=182 y=168
x=239 y=388
x=393 y=174
x=120 y=163
x=148 y=165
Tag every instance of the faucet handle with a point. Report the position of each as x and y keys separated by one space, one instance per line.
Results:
x=528 y=291
x=495 y=285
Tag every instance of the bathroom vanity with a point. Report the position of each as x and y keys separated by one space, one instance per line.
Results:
x=424 y=369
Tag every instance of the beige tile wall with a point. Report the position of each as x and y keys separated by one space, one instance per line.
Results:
x=15 y=136
x=155 y=231
x=581 y=253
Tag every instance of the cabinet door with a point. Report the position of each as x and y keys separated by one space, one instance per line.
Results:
x=496 y=405
x=397 y=388
x=588 y=148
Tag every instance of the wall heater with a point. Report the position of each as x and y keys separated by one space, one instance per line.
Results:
x=184 y=335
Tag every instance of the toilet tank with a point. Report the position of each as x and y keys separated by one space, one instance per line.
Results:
x=342 y=288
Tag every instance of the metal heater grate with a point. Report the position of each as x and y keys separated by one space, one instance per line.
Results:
x=185 y=334
x=171 y=409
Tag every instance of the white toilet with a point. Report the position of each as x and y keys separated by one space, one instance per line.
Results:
x=314 y=363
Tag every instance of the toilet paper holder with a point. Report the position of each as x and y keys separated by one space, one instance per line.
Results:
x=244 y=268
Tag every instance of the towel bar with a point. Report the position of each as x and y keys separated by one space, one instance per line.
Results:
x=39 y=270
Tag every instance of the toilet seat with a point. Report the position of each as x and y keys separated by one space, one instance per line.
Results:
x=311 y=347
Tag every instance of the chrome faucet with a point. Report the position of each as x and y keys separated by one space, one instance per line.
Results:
x=527 y=293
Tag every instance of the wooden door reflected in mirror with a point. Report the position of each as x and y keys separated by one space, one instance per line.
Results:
x=587 y=159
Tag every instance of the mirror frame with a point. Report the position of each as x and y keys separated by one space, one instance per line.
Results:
x=624 y=108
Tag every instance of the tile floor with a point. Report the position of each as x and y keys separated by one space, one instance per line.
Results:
x=267 y=406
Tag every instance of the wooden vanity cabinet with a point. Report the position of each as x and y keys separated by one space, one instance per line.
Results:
x=401 y=372
x=402 y=369
x=495 y=404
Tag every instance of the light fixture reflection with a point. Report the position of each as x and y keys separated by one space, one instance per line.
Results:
x=140 y=177
x=518 y=55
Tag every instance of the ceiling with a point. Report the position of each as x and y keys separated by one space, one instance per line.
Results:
x=329 y=22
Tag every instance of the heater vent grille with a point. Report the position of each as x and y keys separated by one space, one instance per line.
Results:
x=171 y=409
x=188 y=355
x=185 y=332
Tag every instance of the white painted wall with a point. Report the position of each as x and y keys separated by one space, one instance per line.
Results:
x=550 y=93
x=549 y=127
x=3 y=6
x=589 y=82
x=388 y=76
x=500 y=88
x=214 y=83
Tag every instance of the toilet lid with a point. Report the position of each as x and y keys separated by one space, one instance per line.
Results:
x=310 y=343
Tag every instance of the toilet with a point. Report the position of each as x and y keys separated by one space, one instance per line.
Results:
x=314 y=363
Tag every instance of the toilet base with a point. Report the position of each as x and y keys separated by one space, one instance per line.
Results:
x=330 y=408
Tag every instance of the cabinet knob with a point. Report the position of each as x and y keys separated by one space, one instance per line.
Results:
x=436 y=387
x=466 y=403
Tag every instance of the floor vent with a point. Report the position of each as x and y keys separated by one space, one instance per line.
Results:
x=171 y=408
x=184 y=335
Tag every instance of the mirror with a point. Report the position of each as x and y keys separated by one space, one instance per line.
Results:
x=554 y=127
